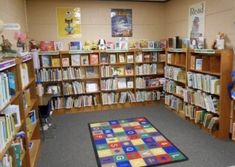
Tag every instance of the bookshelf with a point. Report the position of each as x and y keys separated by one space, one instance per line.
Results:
x=99 y=80
x=204 y=100
x=175 y=74
x=19 y=101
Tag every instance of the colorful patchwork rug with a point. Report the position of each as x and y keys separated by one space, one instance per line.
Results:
x=133 y=142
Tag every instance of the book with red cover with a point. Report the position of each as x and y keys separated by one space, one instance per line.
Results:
x=47 y=46
x=94 y=59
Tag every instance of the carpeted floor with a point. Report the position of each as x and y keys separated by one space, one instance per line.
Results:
x=72 y=145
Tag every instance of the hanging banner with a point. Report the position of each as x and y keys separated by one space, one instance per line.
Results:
x=196 y=20
x=68 y=22
x=121 y=21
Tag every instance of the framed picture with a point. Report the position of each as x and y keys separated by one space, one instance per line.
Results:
x=121 y=21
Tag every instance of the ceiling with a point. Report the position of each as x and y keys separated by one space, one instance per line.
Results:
x=156 y=1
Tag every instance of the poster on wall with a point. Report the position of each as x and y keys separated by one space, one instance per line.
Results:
x=68 y=22
x=121 y=21
x=196 y=24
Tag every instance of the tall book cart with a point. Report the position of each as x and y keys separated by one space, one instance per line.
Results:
x=101 y=80
x=19 y=125
x=205 y=100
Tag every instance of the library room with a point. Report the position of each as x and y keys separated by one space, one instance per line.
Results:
x=117 y=83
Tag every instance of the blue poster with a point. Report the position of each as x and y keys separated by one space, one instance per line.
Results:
x=121 y=22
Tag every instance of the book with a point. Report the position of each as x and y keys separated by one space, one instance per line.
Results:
x=55 y=62
x=94 y=59
x=47 y=46
x=147 y=58
x=112 y=58
x=130 y=58
x=75 y=60
x=84 y=60
x=91 y=87
x=151 y=44
x=198 y=65
x=59 y=45
x=109 y=45
x=130 y=84
x=129 y=70
x=11 y=83
x=122 y=83
x=46 y=61
x=65 y=62
x=91 y=72
x=192 y=62
x=104 y=58
x=121 y=58
x=32 y=116
x=162 y=57
x=233 y=132
x=75 y=45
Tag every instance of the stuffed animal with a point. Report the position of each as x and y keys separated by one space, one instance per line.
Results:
x=101 y=44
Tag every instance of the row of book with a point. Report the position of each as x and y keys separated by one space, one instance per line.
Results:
x=76 y=87
x=175 y=73
x=46 y=75
x=174 y=102
x=176 y=58
x=201 y=99
x=109 y=71
x=171 y=86
x=207 y=83
x=112 y=58
x=146 y=69
x=148 y=82
x=142 y=96
x=7 y=87
x=9 y=121
x=13 y=157
x=74 y=102
x=116 y=83
x=206 y=119
x=72 y=73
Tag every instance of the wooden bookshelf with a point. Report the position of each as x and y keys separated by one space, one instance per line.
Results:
x=24 y=80
x=123 y=62
x=204 y=67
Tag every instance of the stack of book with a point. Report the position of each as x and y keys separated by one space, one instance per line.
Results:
x=127 y=97
x=175 y=73
x=146 y=69
x=110 y=98
x=109 y=84
x=47 y=75
x=142 y=96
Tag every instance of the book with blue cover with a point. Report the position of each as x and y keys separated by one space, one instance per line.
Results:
x=12 y=83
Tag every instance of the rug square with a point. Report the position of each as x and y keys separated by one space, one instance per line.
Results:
x=177 y=156
x=137 y=141
x=129 y=149
x=130 y=132
x=138 y=162
x=144 y=123
x=151 y=160
x=164 y=143
x=132 y=137
x=139 y=131
x=134 y=123
x=116 y=126
x=116 y=130
x=149 y=130
x=144 y=135
x=141 y=147
x=96 y=129
x=140 y=119
x=104 y=124
x=109 y=165
x=133 y=155
x=104 y=153
x=107 y=160
x=164 y=158
x=126 y=143
x=170 y=149
x=137 y=127
x=123 y=164
x=153 y=134
x=152 y=145
x=114 y=122
x=123 y=121
x=110 y=135
x=148 y=140
x=107 y=131
x=94 y=125
x=146 y=153
x=120 y=134
x=157 y=151
x=115 y=145
x=98 y=132
x=112 y=140
x=125 y=124
x=101 y=141
x=120 y=158
x=102 y=146
x=106 y=127
x=123 y=138
x=147 y=126
x=128 y=128
x=117 y=151
x=98 y=137
x=159 y=138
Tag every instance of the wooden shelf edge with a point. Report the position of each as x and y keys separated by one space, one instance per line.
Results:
x=34 y=152
x=33 y=129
